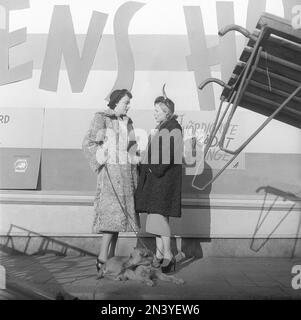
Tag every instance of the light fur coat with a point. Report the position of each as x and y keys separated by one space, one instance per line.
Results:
x=110 y=149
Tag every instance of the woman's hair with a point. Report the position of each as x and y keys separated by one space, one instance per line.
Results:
x=117 y=95
x=167 y=102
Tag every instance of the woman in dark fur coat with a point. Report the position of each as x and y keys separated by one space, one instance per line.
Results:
x=160 y=181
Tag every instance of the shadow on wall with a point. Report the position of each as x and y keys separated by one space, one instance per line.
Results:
x=190 y=248
x=265 y=213
x=193 y=247
x=200 y=181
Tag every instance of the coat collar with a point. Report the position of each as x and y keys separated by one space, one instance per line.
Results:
x=110 y=113
x=165 y=122
x=160 y=126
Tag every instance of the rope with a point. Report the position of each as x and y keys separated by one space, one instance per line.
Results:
x=267 y=70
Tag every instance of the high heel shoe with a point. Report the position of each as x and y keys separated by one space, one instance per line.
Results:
x=99 y=264
x=168 y=265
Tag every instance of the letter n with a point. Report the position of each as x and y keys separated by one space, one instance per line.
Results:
x=62 y=43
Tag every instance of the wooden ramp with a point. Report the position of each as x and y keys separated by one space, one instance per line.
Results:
x=266 y=80
x=275 y=71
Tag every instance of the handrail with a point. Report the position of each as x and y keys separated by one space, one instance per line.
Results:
x=218 y=81
x=235 y=27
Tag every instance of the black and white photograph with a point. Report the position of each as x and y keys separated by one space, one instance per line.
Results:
x=150 y=151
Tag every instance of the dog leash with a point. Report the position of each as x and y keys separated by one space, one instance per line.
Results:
x=128 y=217
x=126 y=214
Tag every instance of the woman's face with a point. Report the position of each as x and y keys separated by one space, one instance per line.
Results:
x=122 y=106
x=159 y=114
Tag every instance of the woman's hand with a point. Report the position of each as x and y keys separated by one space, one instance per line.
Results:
x=134 y=159
x=102 y=153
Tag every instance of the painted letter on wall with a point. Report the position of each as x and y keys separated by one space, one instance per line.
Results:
x=198 y=61
x=62 y=43
x=126 y=63
x=9 y=40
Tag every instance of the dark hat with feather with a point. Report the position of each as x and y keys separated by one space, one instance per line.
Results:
x=166 y=101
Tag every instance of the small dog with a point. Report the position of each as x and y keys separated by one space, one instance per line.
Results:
x=139 y=266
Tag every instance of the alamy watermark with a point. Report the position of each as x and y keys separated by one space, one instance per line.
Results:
x=296 y=280
x=166 y=147
x=296 y=17
x=2 y=278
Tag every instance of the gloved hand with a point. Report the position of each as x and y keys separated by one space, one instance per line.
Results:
x=102 y=153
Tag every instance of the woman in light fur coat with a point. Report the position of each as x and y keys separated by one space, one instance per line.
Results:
x=110 y=148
